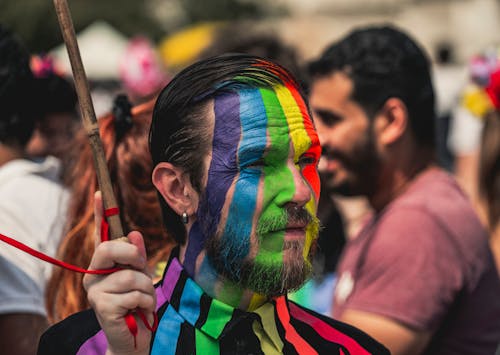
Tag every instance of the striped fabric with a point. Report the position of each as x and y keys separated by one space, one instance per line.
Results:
x=193 y=323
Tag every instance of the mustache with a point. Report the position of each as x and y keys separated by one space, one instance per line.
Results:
x=289 y=216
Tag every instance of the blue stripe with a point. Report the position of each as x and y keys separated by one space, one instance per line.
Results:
x=168 y=332
x=189 y=305
x=253 y=120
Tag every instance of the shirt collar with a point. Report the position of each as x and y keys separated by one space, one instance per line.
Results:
x=205 y=313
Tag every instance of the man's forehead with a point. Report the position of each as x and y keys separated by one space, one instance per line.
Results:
x=263 y=116
x=332 y=89
x=275 y=100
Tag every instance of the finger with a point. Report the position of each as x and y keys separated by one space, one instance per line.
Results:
x=137 y=239
x=113 y=306
x=136 y=299
x=98 y=212
x=124 y=281
x=110 y=253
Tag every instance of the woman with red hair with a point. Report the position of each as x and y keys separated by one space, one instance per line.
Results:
x=124 y=134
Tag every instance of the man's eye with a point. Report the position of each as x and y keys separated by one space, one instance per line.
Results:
x=256 y=164
x=306 y=160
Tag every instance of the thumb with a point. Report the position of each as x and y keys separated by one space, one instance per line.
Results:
x=136 y=239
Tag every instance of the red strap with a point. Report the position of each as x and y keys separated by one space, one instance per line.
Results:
x=151 y=327
x=51 y=260
x=132 y=326
x=132 y=323
x=104 y=222
x=129 y=318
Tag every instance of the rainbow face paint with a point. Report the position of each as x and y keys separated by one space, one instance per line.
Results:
x=264 y=156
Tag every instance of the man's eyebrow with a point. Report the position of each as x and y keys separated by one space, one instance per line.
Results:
x=327 y=116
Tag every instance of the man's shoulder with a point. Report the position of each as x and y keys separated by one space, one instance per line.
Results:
x=67 y=336
x=436 y=192
x=434 y=211
x=326 y=330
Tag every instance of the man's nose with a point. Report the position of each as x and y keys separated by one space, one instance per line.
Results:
x=302 y=193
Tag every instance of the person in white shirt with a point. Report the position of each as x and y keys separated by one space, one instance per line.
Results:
x=32 y=204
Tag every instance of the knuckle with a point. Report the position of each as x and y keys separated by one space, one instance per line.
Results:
x=104 y=250
x=126 y=278
x=132 y=299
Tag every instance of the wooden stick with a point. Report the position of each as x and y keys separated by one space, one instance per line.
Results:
x=88 y=115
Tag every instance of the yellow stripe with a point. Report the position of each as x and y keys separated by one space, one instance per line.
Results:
x=311 y=230
x=300 y=138
x=270 y=341
x=256 y=301
x=301 y=143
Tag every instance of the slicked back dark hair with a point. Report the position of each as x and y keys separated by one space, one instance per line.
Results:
x=179 y=130
x=385 y=62
x=16 y=91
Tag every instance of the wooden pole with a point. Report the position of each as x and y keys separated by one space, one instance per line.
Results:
x=88 y=116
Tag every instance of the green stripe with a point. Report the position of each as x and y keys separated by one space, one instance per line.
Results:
x=204 y=344
x=218 y=316
x=277 y=177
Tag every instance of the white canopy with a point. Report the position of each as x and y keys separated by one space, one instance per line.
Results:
x=101 y=47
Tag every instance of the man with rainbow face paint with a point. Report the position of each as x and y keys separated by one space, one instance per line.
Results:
x=235 y=155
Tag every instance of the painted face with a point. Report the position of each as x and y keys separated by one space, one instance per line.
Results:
x=257 y=215
x=350 y=161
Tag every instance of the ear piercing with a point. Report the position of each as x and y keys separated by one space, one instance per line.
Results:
x=185 y=218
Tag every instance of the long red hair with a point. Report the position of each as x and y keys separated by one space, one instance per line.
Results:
x=130 y=168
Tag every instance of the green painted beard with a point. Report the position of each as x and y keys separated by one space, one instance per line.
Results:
x=271 y=272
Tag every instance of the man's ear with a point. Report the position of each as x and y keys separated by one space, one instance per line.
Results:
x=176 y=188
x=392 y=121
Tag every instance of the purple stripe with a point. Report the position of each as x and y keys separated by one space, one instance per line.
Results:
x=169 y=282
x=196 y=244
x=224 y=164
x=97 y=345
x=222 y=171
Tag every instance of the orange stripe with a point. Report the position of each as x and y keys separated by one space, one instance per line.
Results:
x=291 y=334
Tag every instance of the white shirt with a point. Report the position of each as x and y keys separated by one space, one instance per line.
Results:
x=32 y=210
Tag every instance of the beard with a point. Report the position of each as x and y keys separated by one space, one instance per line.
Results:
x=361 y=167
x=266 y=275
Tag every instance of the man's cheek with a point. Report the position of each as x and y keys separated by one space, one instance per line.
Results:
x=311 y=175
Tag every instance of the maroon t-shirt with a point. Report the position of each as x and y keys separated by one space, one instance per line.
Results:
x=424 y=261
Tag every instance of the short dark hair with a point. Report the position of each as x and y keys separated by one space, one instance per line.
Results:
x=179 y=130
x=385 y=62
x=17 y=115
x=55 y=95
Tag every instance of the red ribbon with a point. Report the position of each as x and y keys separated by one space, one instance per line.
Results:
x=51 y=260
x=104 y=223
x=132 y=323
x=129 y=317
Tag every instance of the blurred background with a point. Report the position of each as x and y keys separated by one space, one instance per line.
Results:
x=467 y=25
x=181 y=29
x=464 y=26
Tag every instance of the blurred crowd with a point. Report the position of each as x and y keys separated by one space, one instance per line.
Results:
x=409 y=249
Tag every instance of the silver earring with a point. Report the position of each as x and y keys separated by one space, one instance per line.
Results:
x=185 y=218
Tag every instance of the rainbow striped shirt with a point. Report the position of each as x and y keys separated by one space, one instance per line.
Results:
x=191 y=322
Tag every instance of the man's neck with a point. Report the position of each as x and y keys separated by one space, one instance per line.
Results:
x=395 y=179
x=9 y=153
x=220 y=288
